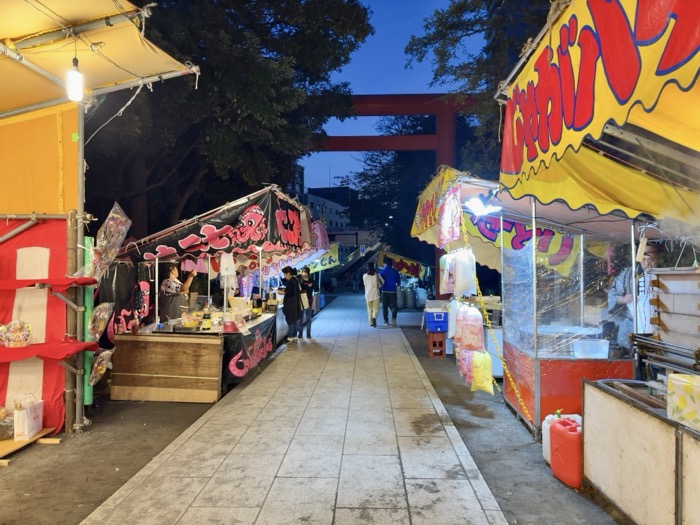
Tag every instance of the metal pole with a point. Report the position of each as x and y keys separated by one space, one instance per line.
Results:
x=71 y=268
x=582 y=302
x=157 y=292
x=536 y=422
x=634 y=279
x=79 y=256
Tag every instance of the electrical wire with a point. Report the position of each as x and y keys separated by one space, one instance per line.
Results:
x=117 y=114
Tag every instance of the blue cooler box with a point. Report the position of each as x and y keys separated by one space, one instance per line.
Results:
x=435 y=320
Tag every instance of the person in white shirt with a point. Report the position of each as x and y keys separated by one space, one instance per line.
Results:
x=620 y=297
x=373 y=283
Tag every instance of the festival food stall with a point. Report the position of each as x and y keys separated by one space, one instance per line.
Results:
x=602 y=112
x=552 y=265
x=409 y=295
x=42 y=137
x=179 y=361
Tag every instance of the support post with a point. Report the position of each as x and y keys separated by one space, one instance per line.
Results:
x=71 y=315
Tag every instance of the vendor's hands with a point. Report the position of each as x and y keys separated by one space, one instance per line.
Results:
x=193 y=273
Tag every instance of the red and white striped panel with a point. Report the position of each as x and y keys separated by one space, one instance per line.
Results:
x=36 y=253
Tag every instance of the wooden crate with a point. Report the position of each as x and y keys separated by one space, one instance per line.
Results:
x=165 y=367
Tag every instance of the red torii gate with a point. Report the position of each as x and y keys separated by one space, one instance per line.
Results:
x=442 y=105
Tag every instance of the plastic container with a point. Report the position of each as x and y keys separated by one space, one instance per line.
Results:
x=421 y=297
x=546 y=425
x=435 y=320
x=400 y=298
x=410 y=298
x=567 y=453
x=591 y=348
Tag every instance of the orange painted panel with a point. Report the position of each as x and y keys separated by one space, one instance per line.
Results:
x=561 y=381
x=522 y=368
x=39 y=161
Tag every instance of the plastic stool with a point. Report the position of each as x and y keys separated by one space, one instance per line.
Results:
x=436 y=344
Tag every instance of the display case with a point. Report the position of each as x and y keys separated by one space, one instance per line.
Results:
x=556 y=328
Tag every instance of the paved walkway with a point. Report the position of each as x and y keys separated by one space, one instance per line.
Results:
x=342 y=429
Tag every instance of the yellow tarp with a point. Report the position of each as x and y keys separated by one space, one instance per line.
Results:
x=110 y=54
x=402 y=264
x=603 y=62
x=326 y=261
x=39 y=142
x=589 y=178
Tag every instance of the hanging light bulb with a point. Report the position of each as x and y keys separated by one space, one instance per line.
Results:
x=74 y=82
x=479 y=206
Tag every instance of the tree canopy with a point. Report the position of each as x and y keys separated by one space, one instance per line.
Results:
x=390 y=182
x=503 y=27
x=261 y=100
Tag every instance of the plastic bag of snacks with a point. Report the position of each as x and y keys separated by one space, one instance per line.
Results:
x=109 y=239
x=100 y=363
x=7 y=424
x=98 y=322
x=481 y=371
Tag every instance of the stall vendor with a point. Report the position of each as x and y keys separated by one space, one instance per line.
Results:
x=173 y=293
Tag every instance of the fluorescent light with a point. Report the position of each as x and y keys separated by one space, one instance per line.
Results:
x=74 y=83
x=477 y=207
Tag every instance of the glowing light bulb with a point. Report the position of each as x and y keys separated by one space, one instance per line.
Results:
x=74 y=83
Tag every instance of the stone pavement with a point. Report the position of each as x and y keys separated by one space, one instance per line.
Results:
x=342 y=429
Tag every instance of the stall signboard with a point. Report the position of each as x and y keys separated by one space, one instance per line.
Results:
x=328 y=260
x=601 y=63
x=404 y=265
x=427 y=212
x=271 y=264
x=265 y=222
x=556 y=249
x=250 y=349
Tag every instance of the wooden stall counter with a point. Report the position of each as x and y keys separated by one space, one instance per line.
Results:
x=194 y=367
x=167 y=367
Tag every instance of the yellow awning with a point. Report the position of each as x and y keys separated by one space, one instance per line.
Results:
x=38 y=41
x=587 y=178
x=602 y=63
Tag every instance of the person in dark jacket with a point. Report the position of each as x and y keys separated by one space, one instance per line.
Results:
x=392 y=281
x=307 y=286
x=290 y=304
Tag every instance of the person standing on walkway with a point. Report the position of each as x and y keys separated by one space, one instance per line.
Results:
x=357 y=276
x=392 y=281
x=290 y=304
x=373 y=283
x=307 y=286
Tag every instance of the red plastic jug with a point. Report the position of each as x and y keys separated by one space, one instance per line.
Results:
x=566 y=452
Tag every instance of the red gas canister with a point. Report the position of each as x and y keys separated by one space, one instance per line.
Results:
x=566 y=452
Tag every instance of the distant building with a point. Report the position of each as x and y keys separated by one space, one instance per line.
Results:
x=343 y=195
x=329 y=212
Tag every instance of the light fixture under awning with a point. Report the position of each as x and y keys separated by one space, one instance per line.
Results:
x=40 y=40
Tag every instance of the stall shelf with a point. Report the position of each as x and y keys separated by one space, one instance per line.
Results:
x=193 y=367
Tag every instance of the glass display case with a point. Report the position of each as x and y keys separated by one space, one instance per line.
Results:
x=556 y=326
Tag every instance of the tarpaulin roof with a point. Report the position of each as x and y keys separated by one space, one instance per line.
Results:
x=605 y=111
x=267 y=222
x=39 y=39
x=442 y=219
x=272 y=264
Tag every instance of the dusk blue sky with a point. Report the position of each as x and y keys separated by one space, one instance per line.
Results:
x=377 y=68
